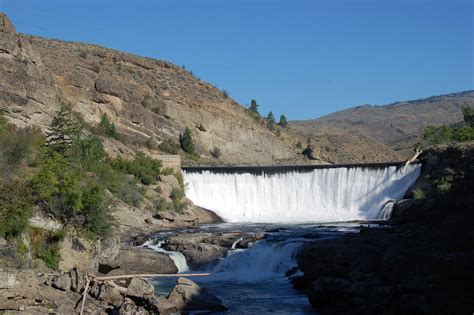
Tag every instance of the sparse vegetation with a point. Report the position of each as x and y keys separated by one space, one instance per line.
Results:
x=418 y=194
x=455 y=133
x=169 y=146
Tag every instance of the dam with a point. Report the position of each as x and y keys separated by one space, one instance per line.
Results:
x=299 y=194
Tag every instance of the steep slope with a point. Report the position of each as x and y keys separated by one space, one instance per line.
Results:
x=397 y=125
x=149 y=100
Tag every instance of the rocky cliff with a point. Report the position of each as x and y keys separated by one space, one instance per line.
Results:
x=148 y=100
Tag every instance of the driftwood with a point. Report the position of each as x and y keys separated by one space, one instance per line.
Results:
x=413 y=159
x=109 y=281
x=84 y=296
x=156 y=275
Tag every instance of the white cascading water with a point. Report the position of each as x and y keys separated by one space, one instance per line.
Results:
x=261 y=261
x=320 y=195
x=177 y=257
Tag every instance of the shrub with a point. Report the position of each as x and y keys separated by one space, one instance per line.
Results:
x=299 y=145
x=169 y=146
x=46 y=246
x=163 y=205
x=464 y=133
x=130 y=193
x=418 y=194
x=15 y=208
x=143 y=167
x=444 y=184
x=216 y=152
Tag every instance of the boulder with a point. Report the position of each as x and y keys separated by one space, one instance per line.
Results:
x=188 y=296
x=171 y=180
x=79 y=252
x=141 y=289
x=42 y=222
x=7 y=279
x=129 y=307
x=205 y=216
x=107 y=293
x=110 y=251
x=61 y=282
x=77 y=279
x=135 y=260
x=5 y=25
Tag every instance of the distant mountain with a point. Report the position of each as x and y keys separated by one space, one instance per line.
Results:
x=398 y=125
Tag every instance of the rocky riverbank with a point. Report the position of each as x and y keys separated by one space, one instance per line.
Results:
x=420 y=264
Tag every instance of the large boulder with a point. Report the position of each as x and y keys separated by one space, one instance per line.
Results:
x=188 y=296
x=109 y=257
x=135 y=260
x=79 y=252
x=140 y=289
x=205 y=216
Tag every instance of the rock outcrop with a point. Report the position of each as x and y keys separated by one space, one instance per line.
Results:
x=148 y=100
x=203 y=248
x=420 y=265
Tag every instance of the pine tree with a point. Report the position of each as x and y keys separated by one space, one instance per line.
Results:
x=283 y=122
x=63 y=130
x=270 y=117
x=108 y=127
x=187 y=142
x=254 y=107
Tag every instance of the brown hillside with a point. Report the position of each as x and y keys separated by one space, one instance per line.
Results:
x=399 y=125
x=148 y=100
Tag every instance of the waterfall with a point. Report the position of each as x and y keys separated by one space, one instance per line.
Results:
x=177 y=257
x=264 y=260
x=317 y=195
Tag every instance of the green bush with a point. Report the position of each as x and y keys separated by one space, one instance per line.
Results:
x=143 y=167
x=15 y=208
x=130 y=193
x=418 y=194
x=163 y=205
x=169 y=146
x=444 y=184
x=45 y=245
x=464 y=133
x=106 y=127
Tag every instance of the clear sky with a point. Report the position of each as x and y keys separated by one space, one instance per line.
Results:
x=301 y=58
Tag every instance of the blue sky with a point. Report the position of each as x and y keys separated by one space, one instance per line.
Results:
x=301 y=58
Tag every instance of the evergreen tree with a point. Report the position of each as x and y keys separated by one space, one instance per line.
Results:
x=107 y=127
x=270 y=117
x=63 y=130
x=283 y=122
x=187 y=142
x=254 y=107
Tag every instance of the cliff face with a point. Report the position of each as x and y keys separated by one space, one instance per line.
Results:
x=148 y=100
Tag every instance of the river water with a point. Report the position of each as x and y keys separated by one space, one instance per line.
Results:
x=253 y=280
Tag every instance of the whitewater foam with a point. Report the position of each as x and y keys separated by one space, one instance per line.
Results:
x=320 y=195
